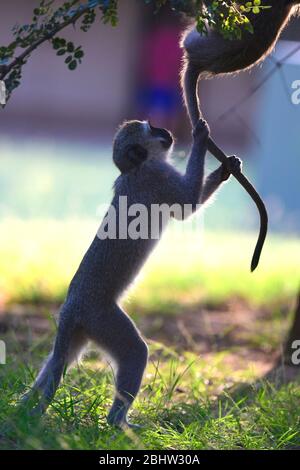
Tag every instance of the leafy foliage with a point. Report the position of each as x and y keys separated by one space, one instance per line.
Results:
x=48 y=20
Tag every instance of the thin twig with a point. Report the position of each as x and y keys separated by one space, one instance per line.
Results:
x=5 y=70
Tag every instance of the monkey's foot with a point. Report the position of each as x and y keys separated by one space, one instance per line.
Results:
x=134 y=426
x=123 y=424
x=32 y=404
x=28 y=400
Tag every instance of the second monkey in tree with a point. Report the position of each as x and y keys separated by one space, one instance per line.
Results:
x=212 y=54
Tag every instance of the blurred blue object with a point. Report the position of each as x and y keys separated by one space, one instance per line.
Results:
x=159 y=99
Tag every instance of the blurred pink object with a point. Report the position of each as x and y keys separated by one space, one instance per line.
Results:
x=161 y=57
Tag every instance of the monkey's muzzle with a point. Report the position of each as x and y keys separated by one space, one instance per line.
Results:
x=163 y=135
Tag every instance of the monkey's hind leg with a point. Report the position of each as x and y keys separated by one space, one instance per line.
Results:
x=119 y=337
x=68 y=344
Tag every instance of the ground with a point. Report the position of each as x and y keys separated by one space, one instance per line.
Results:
x=214 y=330
x=195 y=392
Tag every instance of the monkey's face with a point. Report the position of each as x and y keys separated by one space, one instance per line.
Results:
x=138 y=141
x=158 y=141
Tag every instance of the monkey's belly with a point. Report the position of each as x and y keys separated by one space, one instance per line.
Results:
x=108 y=268
x=215 y=55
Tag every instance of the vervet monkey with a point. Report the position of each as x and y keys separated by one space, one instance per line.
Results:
x=91 y=310
x=212 y=54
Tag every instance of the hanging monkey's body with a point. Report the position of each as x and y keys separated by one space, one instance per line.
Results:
x=210 y=55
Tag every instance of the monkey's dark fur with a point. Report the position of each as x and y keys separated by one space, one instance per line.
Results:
x=91 y=310
x=206 y=56
x=210 y=55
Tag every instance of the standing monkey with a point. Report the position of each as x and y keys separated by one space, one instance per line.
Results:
x=212 y=54
x=91 y=309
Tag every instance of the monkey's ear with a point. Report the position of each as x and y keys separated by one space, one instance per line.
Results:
x=134 y=155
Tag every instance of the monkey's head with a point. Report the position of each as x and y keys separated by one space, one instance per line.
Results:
x=138 y=141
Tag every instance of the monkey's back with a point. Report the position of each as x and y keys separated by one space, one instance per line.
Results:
x=110 y=265
x=214 y=54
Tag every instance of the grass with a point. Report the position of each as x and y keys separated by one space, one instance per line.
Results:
x=178 y=408
x=39 y=257
x=187 y=400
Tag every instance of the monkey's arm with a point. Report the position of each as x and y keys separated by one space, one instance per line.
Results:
x=212 y=183
x=219 y=176
x=184 y=191
x=192 y=181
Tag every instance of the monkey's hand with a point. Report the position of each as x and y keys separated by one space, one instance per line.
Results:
x=233 y=164
x=201 y=132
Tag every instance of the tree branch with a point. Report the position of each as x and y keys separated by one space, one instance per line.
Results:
x=6 y=69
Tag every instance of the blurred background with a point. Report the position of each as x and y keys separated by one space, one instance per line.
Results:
x=56 y=170
x=56 y=132
x=210 y=323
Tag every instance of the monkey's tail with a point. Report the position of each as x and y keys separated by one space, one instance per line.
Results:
x=189 y=79
x=189 y=82
x=241 y=178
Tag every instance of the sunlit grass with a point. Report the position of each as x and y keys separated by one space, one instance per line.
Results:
x=177 y=407
x=39 y=258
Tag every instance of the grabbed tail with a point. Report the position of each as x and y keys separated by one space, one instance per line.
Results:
x=189 y=81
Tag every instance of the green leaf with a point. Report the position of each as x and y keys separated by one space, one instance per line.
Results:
x=79 y=54
x=68 y=59
x=70 y=47
x=72 y=65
